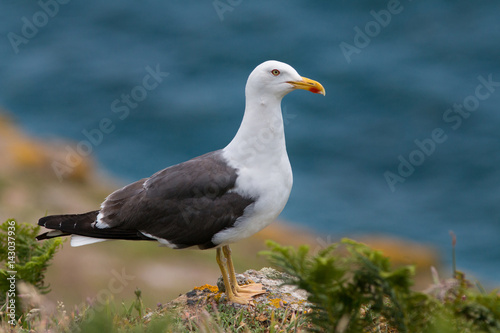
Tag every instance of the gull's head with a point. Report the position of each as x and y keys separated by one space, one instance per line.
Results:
x=278 y=79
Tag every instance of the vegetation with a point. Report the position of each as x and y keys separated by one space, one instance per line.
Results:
x=351 y=288
x=25 y=259
x=359 y=292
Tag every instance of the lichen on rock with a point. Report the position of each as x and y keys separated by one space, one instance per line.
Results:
x=278 y=295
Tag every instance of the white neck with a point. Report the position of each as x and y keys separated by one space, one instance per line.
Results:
x=260 y=140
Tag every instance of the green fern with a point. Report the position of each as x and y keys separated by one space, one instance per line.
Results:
x=31 y=257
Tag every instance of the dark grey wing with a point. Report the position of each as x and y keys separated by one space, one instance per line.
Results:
x=185 y=204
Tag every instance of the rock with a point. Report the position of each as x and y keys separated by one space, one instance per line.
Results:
x=277 y=295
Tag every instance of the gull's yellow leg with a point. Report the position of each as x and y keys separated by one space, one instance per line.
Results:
x=251 y=289
x=231 y=295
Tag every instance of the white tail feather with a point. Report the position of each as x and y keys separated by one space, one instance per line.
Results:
x=54 y=233
x=77 y=240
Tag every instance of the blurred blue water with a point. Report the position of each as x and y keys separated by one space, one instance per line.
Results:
x=64 y=79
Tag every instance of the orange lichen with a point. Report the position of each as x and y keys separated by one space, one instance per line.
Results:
x=277 y=302
x=211 y=288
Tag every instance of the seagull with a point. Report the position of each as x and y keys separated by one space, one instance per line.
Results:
x=212 y=200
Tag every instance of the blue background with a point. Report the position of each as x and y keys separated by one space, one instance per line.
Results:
x=394 y=90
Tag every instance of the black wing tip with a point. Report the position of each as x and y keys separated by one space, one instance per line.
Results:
x=51 y=234
x=45 y=235
x=42 y=236
x=41 y=222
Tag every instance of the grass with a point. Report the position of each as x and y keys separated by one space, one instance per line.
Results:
x=123 y=318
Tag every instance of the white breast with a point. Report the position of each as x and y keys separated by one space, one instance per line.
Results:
x=270 y=183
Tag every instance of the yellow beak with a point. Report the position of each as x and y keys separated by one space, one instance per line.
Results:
x=308 y=84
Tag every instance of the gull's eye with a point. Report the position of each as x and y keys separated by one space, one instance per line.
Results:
x=275 y=72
